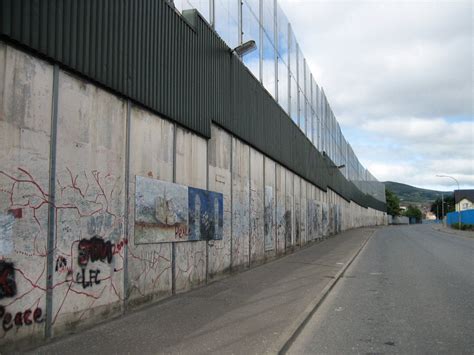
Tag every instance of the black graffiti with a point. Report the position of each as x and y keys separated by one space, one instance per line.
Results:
x=297 y=224
x=297 y=230
x=267 y=220
x=7 y=280
x=95 y=249
x=81 y=278
x=61 y=264
x=287 y=218
x=20 y=319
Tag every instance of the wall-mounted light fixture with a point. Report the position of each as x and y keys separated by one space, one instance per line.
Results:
x=245 y=48
x=332 y=165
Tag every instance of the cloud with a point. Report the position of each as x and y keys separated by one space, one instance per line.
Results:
x=399 y=77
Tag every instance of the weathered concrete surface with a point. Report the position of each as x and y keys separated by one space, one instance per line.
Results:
x=248 y=313
x=297 y=209
x=25 y=122
x=240 y=204
x=270 y=208
x=257 y=232
x=191 y=170
x=220 y=180
x=151 y=155
x=289 y=210
x=408 y=292
x=400 y=220
x=303 y=212
x=90 y=204
x=280 y=209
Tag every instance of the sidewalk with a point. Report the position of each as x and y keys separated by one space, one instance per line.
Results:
x=253 y=312
x=449 y=230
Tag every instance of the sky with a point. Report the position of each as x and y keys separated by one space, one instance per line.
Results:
x=399 y=76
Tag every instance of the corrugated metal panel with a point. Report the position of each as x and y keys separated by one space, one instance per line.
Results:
x=175 y=65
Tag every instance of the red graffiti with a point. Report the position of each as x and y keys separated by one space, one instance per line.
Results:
x=181 y=231
x=16 y=212
x=20 y=319
x=87 y=195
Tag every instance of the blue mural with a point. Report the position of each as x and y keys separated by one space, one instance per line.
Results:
x=206 y=214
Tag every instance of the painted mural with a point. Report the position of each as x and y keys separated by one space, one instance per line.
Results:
x=168 y=212
x=161 y=211
x=268 y=218
x=206 y=214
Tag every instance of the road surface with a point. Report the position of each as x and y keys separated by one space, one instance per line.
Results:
x=410 y=290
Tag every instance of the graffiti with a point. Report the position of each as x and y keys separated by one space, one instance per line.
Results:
x=61 y=265
x=280 y=224
x=206 y=214
x=7 y=280
x=324 y=220
x=86 y=203
x=167 y=212
x=339 y=221
x=81 y=278
x=97 y=225
x=95 y=249
x=6 y=233
x=181 y=232
x=297 y=224
x=17 y=213
x=313 y=218
x=268 y=218
x=287 y=218
x=20 y=319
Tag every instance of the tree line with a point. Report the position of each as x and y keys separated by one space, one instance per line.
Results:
x=437 y=207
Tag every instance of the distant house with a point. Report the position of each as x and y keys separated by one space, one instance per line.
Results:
x=464 y=199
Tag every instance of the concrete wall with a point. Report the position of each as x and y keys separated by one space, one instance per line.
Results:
x=191 y=170
x=26 y=86
x=89 y=204
x=240 y=205
x=220 y=180
x=270 y=209
x=151 y=155
x=281 y=225
x=257 y=228
x=105 y=205
x=400 y=220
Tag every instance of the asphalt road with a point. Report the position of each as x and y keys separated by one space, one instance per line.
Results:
x=410 y=291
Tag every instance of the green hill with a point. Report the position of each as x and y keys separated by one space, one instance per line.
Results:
x=413 y=195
